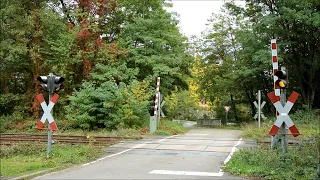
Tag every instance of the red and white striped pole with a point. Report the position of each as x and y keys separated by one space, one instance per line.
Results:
x=275 y=65
x=156 y=101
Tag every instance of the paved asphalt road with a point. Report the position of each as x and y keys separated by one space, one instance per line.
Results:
x=199 y=154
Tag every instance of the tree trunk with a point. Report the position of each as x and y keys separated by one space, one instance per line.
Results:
x=251 y=103
x=234 y=108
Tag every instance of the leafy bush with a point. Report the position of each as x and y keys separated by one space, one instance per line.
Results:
x=305 y=117
x=181 y=105
x=102 y=102
x=9 y=103
x=167 y=127
x=299 y=163
x=14 y=104
x=17 y=123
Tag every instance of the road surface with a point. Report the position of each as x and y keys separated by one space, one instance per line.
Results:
x=199 y=154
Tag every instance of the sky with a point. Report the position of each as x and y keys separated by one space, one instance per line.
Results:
x=194 y=14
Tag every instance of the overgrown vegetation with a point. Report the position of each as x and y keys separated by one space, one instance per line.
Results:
x=21 y=159
x=26 y=158
x=233 y=55
x=109 y=52
x=167 y=127
x=306 y=121
x=302 y=161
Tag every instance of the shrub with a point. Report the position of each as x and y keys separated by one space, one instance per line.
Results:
x=102 y=102
x=167 y=127
x=10 y=103
x=299 y=163
x=181 y=105
x=305 y=117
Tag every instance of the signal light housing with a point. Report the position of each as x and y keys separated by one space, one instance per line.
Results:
x=58 y=83
x=44 y=80
x=282 y=81
x=51 y=83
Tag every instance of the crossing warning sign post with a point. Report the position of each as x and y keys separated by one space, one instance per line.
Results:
x=259 y=107
x=283 y=113
x=227 y=108
x=51 y=83
x=278 y=99
x=47 y=112
x=283 y=120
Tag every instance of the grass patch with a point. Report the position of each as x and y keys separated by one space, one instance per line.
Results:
x=307 y=130
x=251 y=131
x=126 y=133
x=167 y=127
x=27 y=158
x=300 y=162
x=121 y=132
x=233 y=127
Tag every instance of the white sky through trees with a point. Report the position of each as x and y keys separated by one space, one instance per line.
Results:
x=194 y=14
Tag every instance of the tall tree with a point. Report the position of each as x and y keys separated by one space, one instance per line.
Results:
x=156 y=47
x=296 y=26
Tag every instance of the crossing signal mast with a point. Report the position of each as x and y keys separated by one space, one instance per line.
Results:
x=282 y=81
x=50 y=83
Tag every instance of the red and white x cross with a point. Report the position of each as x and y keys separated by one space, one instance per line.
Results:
x=283 y=113
x=46 y=110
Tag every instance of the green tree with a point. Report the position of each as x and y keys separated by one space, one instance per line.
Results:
x=156 y=48
x=295 y=24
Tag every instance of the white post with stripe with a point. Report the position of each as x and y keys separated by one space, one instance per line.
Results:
x=156 y=101
x=274 y=54
x=275 y=67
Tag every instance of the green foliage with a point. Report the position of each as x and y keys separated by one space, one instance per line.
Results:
x=156 y=48
x=104 y=103
x=167 y=127
x=307 y=123
x=299 y=163
x=22 y=149
x=17 y=123
x=109 y=59
x=251 y=131
x=12 y=103
x=181 y=105
x=22 y=159
x=305 y=117
x=235 y=53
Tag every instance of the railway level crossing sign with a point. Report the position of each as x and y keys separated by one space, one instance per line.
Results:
x=261 y=113
x=161 y=108
x=227 y=108
x=283 y=113
x=47 y=111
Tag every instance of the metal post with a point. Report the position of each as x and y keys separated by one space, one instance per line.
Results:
x=259 y=108
x=50 y=89
x=159 y=108
x=153 y=124
x=283 y=129
x=226 y=118
x=49 y=131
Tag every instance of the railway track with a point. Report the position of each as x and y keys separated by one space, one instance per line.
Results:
x=9 y=139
